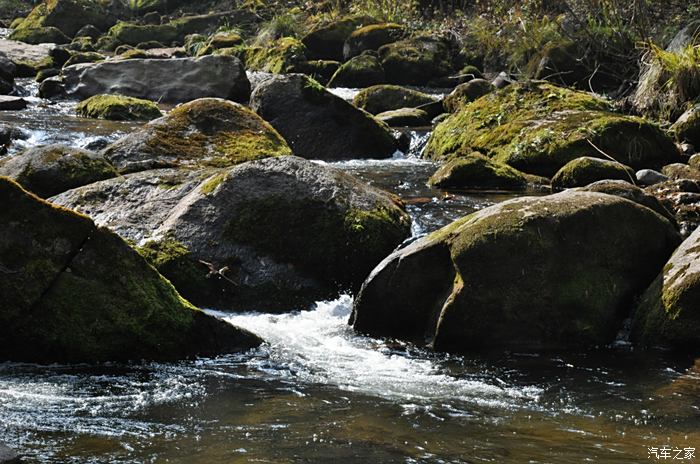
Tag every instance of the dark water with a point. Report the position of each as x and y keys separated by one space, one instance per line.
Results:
x=317 y=392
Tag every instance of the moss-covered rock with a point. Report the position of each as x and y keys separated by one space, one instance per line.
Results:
x=118 y=108
x=67 y=15
x=81 y=44
x=85 y=57
x=72 y=292
x=319 y=70
x=678 y=171
x=273 y=234
x=318 y=124
x=561 y=63
x=404 y=117
x=371 y=37
x=360 y=71
x=668 y=314
x=467 y=93
x=281 y=56
x=475 y=171
x=39 y=35
x=687 y=127
x=532 y=273
x=133 y=34
x=51 y=169
x=586 y=170
x=205 y=132
x=537 y=127
x=326 y=41
x=415 y=61
x=381 y=98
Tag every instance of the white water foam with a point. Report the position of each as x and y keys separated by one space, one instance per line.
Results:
x=318 y=347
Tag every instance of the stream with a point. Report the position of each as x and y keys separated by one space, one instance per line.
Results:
x=318 y=392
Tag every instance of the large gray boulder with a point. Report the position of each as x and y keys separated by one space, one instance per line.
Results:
x=170 y=81
x=668 y=314
x=74 y=292
x=271 y=234
x=531 y=273
x=318 y=124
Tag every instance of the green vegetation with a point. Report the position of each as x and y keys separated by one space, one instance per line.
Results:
x=118 y=108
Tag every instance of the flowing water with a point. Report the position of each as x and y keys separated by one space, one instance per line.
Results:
x=318 y=392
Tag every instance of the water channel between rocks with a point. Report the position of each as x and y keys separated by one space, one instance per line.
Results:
x=316 y=391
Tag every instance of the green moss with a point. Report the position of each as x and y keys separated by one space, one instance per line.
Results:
x=538 y=127
x=360 y=71
x=209 y=186
x=586 y=170
x=118 y=108
x=84 y=57
x=476 y=171
x=134 y=34
x=281 y=56
x=39 y=35
x=67 y=15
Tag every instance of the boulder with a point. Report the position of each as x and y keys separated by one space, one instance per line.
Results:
x=668 y=314
x=555 y=272
x=320 y=70
x=84 y=57
x=69 y=16
x=208 y=132
x=687 y=126
x=172 y=81
x=380 y=98
x=118 y=108
x=586 y=170
x=648 y=177
x=371 y=37
x=73 y=292
x=271 y=234
x=327 y=41
x=26 y=54
x=281 y=56
x=561 y=63
x=318 y=124
x=404 y=117
x=90 y=31
x=40 y=35
x=677 y=171
x=8 y=103
x=51 y=169
x=415 y=61
x=360 y=71
x=467 y=93
x=175 y=31
x=475 y=171
x=537 y=128
x=631 y=192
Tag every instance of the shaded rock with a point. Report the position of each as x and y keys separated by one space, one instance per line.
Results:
x=381 y=98
x=668 y=314
x=404 y=117
x=360 y=71
x=415 y=61
x=73 y=292
x=40 y=35
x=46 y=73
x=682 y=198
x=561 y=63
x=467 y=93
x=371 y=37
x=687 y=127
x=70 y=16
x=206 y=132
x=537 y=128
x=8 y=70
x=318 y=124
x=8 y=456
x=89 y=31
x=85 y=57
x=51 y=169
x=81 y=44
x=648 y=177
x=118 y=108
x=8 y=103
x=320 y=70
x=677 y=171
x=631 y=192
x=52 y=87
x=531 y=273
x=175 y=80
x=327 y=42
x=475 y=171
x=586 y=170
x=271 y=234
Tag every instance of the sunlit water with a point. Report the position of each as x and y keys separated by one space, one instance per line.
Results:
x=318 y=392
